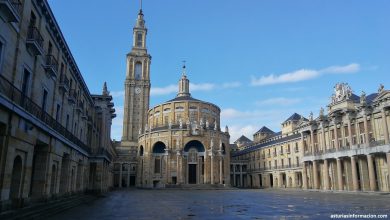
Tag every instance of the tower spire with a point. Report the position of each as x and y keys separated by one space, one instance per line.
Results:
x=140 y=7
x=184 y=83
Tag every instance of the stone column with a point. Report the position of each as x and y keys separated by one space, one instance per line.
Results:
x=241 y=177
x=323 y=139
x=385 y=128
x=366 y=137
x=354 y=174
x=312 y=141
x=303 y=145
x=128 y=176
x=177 y=167
x=220 y=170
x=234 y=174
x=315 y=174
x=336 y=137
x=371 y=172
x=349 y=133
x=339 y=174
x=326 y=174
x=167 y=165
x=304 y=176
x=388 y=166
x=120 y=175
x=212 y=168
x=205 y=167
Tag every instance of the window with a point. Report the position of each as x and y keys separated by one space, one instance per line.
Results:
x=67 y=121
x=33 y=20
x=58 y=112
x=50 y=49
x=44 y=100
x=138 y=71
x=1 y=52
x=139 y=39
x=157 y=165
x=25 y=82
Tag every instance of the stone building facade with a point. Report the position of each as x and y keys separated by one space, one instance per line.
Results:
x=54 y=134
x=177 y=142
x=272 y=160
x=346 y=149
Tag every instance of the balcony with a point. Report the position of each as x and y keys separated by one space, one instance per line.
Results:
x=72 y=96
x=13 y=94
x=64 y=83
x=11 y=10
x=51 y=66
x=79 y=107
x=34 y=41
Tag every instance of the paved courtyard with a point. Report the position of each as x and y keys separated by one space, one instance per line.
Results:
x=227 y=204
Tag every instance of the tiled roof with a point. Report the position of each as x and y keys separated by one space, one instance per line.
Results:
x=294 y=117
x=265 y=130
x=266 y=144
x=243 y=139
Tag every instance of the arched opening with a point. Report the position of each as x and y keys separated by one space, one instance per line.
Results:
x=141 y=151
x=159 y=148
x=72 y=180
x=16 y=178
x=79 y=175
x=290 y=182
x=53 y=179
x=64 y=179
x=194 y=144
x=271 y=180
x=138 y=71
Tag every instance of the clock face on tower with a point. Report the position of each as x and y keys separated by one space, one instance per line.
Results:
x=137 y=90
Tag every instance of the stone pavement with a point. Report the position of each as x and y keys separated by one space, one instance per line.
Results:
x=227 y=204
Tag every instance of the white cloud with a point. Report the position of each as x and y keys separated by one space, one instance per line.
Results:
x=303 y=74
x=279 y=101
x=351 y=68
x=236 y=131
x=117 y=123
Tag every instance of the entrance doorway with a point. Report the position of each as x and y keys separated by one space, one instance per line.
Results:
x=271 y=180
x=192 y=173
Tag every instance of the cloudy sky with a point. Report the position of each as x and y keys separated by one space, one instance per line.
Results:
x=259 y=60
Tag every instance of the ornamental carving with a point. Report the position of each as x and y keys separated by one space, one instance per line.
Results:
x=342 y=92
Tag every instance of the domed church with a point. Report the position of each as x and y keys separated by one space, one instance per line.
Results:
x=182 y=143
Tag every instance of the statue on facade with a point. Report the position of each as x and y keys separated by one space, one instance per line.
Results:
x=170 y=124
x=226 y=129
x=201 y=122
x=180 y=123
x=140 y=131
x=342 y=91
x=215 y=125
x=381 y=88
x=207 y=123
x=146 y=127
x=311 y=116
x=322 y=112
x=363 y=98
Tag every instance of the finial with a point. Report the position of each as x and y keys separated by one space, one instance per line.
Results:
x=140 y=8
x=184 y=68
x=105 y=91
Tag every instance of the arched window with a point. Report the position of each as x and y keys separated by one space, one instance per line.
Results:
x=16 y=178
x=141 y=151
x=139 y=39
x=138 y=71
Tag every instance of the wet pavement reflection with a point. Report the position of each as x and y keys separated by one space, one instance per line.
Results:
x=227 y=204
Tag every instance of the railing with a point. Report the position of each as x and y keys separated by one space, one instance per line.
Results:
x=17 y=4
x=64 y=81
x=72 y=95
x=51 y=61
x=14 y=94
x=346 y=147
x=33 y=34
x=275 y=168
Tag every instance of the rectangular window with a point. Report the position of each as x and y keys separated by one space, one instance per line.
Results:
x=139 y=39
x=44 y=100
x=157 y=165
x=67 y=121
x=58 y=111
x=1 y=53
x=50 y=49
x=25 y=82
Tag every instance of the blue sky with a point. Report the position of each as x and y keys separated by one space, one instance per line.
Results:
x=259 y=60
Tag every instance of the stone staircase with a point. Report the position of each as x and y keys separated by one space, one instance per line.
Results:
x=44 y=210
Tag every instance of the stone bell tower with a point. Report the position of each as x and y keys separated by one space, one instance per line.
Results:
x=137 y=85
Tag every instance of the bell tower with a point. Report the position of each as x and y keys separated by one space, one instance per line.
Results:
x=137 y=85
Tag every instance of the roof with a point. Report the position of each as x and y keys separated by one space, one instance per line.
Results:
x=294 y=117
x=264 y=129
x=370 y=98
x=243 y=139
x=184 y=98
x=266 y=144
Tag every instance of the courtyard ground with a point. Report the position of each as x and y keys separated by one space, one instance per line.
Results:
x=228 y=204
